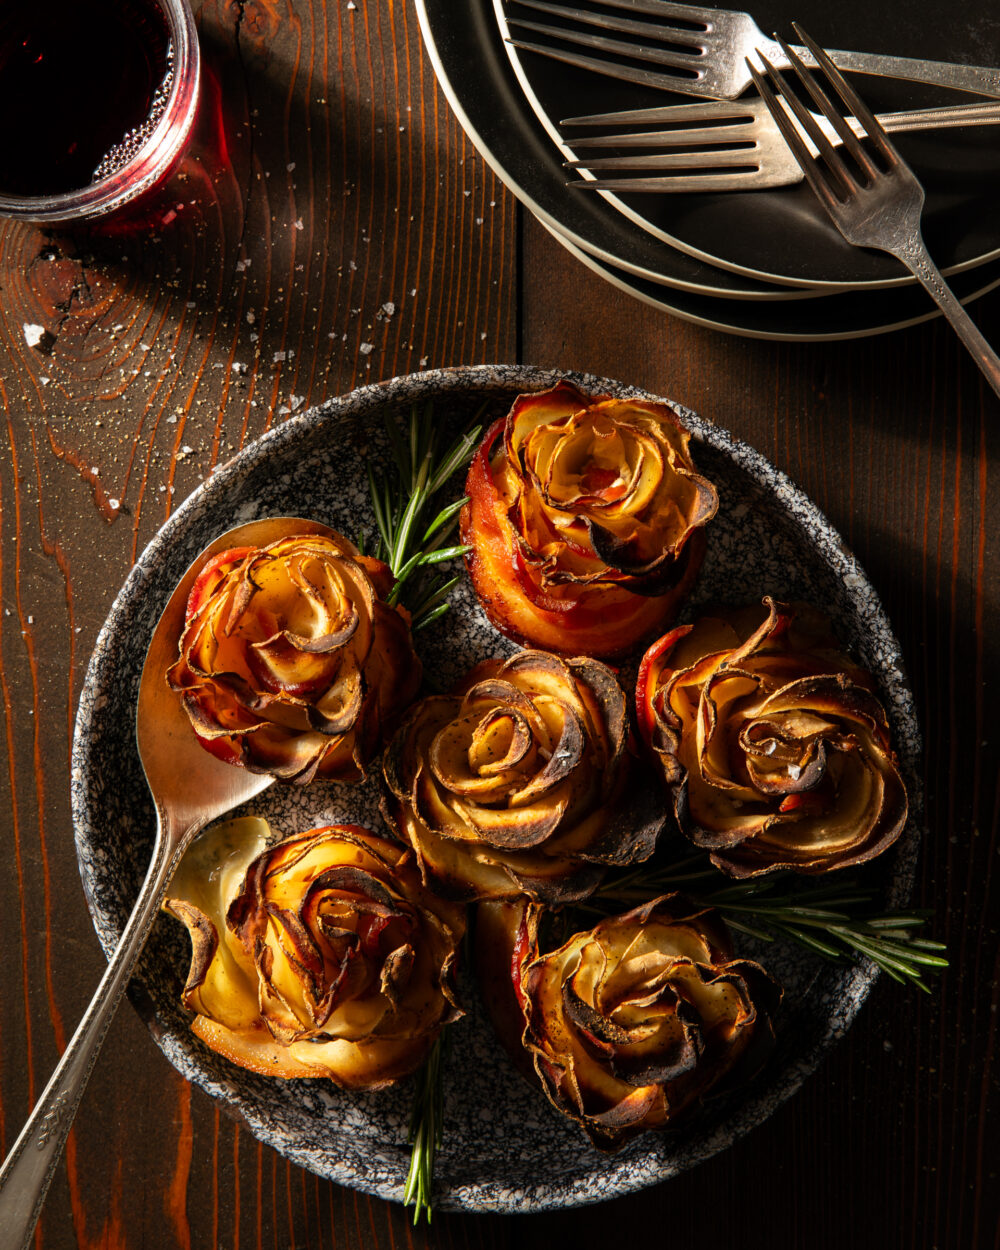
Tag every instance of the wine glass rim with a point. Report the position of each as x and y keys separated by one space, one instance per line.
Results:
x=152 y=158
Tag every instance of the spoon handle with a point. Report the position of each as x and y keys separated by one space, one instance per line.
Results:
x=30 y=1164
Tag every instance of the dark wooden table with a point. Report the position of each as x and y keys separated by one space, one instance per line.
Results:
x=336 y=228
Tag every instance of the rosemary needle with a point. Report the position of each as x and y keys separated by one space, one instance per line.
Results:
x=413 y=527
x=426 y=1128
x=837 y=921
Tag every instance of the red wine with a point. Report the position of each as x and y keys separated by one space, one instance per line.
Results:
x=82 y=83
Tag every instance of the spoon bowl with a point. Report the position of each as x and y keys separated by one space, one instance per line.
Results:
x=190 y=788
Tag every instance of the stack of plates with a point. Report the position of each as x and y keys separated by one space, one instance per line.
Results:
x=768 y=264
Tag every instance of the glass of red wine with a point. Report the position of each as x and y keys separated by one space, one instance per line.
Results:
x=97 y=99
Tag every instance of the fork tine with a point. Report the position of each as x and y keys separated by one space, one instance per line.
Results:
x=666 y=81
x=622 y=25
x=854 y=103
x=614 y=47
x=723 y=133
x=827 y=108
x=705 y=110
x=808 y=124
x=718 y=158
x=673 y=182
x=664 y=9
x=792 y=137
x=664 y=12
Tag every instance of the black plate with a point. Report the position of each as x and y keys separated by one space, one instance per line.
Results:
x=770 y=236
x=784 y=234
x=472 y=66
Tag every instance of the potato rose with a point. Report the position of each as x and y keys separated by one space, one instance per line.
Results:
x=322 y=955
x=772 y=742
x=520 y=781
x=584 y=520
x=629 y=1024
x=291 y=662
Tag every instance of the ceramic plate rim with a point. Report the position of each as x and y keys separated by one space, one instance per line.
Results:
x=626 y=283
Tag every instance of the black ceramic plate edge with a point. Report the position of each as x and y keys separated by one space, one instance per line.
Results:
x=878 y=312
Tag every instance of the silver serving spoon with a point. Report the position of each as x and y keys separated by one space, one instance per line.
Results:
x=190 y=787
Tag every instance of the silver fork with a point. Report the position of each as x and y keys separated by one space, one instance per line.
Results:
x=701 y=51
x=738 y=145
x=882 y=207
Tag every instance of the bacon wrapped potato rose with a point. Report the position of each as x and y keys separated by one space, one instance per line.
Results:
x=291 y=662
x=774 y=746
x=319 y=956
x=628 y=1025
x=522 y=781
x=585 y=519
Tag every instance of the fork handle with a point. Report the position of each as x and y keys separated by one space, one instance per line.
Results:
x=913 y=253
x=976 y=78
x=986 y=114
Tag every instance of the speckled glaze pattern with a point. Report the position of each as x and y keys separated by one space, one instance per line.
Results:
x=505 y=1148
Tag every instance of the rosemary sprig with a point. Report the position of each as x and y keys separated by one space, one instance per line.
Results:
x=426 y=1125
x=836 y=921
x=413 y=527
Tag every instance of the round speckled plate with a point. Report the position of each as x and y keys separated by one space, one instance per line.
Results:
x=505 y=1148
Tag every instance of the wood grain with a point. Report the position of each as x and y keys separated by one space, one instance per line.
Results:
x=330 y=226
